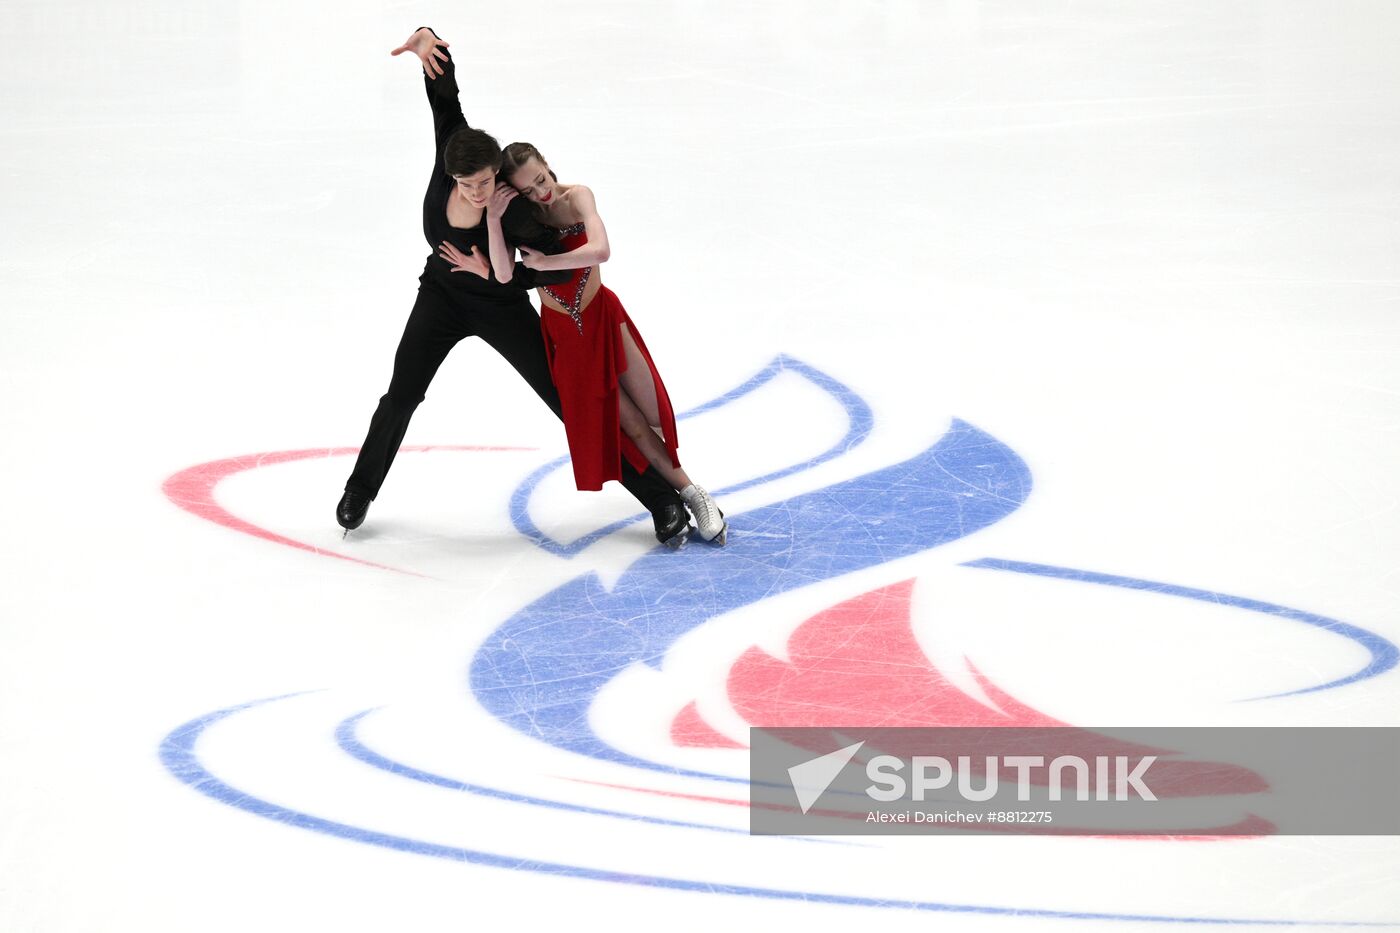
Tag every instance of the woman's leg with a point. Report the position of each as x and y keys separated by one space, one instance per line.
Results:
x=641 y=418
x=638 y=427
x=515 y=335
x=638 y=384
x=640 y=413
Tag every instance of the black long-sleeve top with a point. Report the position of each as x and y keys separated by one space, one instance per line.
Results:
x=519 y=223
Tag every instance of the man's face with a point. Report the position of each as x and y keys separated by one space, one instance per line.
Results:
x=476 y=188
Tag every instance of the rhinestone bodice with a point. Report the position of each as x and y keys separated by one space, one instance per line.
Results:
x=570 y=293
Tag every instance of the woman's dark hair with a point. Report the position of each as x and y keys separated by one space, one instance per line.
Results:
x=470 y=150
x=516 y=155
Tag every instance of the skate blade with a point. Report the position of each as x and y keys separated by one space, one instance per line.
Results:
x=678 y=540
x=722 y=538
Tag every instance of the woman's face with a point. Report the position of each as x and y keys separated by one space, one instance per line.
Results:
x=476 y=188
x=532 y=180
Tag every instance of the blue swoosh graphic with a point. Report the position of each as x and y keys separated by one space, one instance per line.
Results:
x=1384 y=653
x=859 y=420
x=347 y=737
x=541 y=670
x=178 y=755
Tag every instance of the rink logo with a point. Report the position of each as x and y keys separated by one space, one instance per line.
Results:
x=966 y=481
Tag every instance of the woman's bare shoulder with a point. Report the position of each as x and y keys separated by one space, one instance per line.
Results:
x=579 y=194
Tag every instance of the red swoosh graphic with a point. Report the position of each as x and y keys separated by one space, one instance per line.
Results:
x=857 y=665
x=193 y=489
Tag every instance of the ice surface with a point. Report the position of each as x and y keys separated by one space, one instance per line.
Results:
x=1151 y=248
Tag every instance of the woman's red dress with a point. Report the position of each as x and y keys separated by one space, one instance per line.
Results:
x=586 y=357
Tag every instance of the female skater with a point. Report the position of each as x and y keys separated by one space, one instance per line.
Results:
x=460 y=299
x=615 y=405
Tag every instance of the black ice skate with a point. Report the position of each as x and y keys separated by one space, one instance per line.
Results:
x=350 y=513
x=672 y=524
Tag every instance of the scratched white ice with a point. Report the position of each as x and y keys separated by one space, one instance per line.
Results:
x=1151 y=248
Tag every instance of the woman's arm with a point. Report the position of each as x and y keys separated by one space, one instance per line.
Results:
x=525 y=231
x=502 y=255
x=589 y=254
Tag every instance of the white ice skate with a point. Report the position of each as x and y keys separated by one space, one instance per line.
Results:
x=709 y=518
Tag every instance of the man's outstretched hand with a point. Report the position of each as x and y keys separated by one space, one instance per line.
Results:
x=426 y=46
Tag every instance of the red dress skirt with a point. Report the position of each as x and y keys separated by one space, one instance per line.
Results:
x=586 y=357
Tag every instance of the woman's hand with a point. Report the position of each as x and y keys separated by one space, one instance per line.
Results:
x=532 y=259
x=500 y=200
x=462 y=262
x=425 y=45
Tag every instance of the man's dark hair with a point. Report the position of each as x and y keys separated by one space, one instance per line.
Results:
x=470 y=150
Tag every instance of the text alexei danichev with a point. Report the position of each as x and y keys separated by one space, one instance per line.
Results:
x=958 y=816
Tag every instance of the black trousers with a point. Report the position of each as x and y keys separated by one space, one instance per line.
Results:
x=438 y=322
